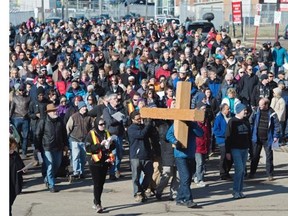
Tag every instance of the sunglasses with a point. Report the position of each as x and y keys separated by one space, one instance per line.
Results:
x=102 y=124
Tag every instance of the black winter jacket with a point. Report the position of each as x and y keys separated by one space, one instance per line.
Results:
x=51 y=134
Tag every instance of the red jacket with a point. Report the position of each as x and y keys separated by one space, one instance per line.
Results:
x=203 y=143
x=160 y=72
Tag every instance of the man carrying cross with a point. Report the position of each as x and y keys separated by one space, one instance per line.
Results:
x=181 y=135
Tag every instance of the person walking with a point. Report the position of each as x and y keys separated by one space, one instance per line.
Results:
x=99 y=145
x=185 y=162
x=265 y=132
x=19 y=116
x=15 y=177
x=237 y=142
x=219 y=130
x=115 y=126
x=78 y=126
x=51 y=133
x=140 y=155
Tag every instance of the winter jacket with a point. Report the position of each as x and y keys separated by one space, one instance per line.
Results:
x=78 y=126
x=51 y=134
x=279 y=106
x=273 y=126
x=140 y=147
x=279 y=56
x=113 y=126
x=203 y=143
x=193 y=131
x=219 y=129
x=19 y=106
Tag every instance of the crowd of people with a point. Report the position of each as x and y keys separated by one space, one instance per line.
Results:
x=79 y=86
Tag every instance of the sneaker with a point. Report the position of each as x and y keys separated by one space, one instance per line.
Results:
x=148 y=193
x=201 y=184
x=138 y=197
x=191 y=204
x=118 y=175
x=236 y=195
x=98 y=208
x=242 y=195
x=270 y=178
x=188 y=204
x=53 y=190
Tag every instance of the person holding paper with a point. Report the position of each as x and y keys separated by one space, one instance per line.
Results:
x=99 y=145
x=115 y=118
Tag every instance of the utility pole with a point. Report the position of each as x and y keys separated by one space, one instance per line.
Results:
x=42 y=11
x=66 y=6
x=277 y=24
x=146 y=10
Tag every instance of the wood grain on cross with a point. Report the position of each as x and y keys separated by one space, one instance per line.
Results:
x=180 y=114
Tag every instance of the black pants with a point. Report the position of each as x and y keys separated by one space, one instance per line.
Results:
x=98 y=176
x=256 y=157
x=224 y=164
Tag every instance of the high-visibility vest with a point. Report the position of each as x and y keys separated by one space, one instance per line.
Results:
x=97 y=157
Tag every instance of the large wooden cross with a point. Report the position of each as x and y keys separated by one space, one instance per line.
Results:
x=180 y=114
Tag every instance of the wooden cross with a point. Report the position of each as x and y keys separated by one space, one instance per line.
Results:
x=181 y=113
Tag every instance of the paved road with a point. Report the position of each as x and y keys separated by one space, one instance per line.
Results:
x=75 y=199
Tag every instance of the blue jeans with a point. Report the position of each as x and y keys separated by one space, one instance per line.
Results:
x=52 y=163
x=118 y=152
x=185 y=167
x=239 y=159
x=200 y=163
x=78 y=153
x=137 y=166
x=22 y=125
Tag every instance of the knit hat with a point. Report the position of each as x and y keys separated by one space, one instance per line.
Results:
x=239 y=108
x=277 y=91
x=263 y=76
x=81 y=104
x=40 y=90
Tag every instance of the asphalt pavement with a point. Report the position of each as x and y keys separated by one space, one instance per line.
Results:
x=76 y=198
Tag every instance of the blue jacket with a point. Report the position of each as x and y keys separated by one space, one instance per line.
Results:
x=279 y=56
x=219 y=129
x=189 y=152
x=273 y=127
x=193 y=87
x=214 y=86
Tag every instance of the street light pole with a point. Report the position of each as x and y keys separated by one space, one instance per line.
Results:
x=277 y=24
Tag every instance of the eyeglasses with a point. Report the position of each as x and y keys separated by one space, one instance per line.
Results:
x=40 y=77
x=138 y=119
x=102 y=124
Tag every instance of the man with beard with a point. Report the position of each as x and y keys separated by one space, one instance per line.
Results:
x=51 y=134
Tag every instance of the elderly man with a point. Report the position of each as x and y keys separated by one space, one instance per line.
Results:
x=265 y=132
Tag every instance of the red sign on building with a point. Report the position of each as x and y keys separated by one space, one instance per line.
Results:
x=237 y=12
